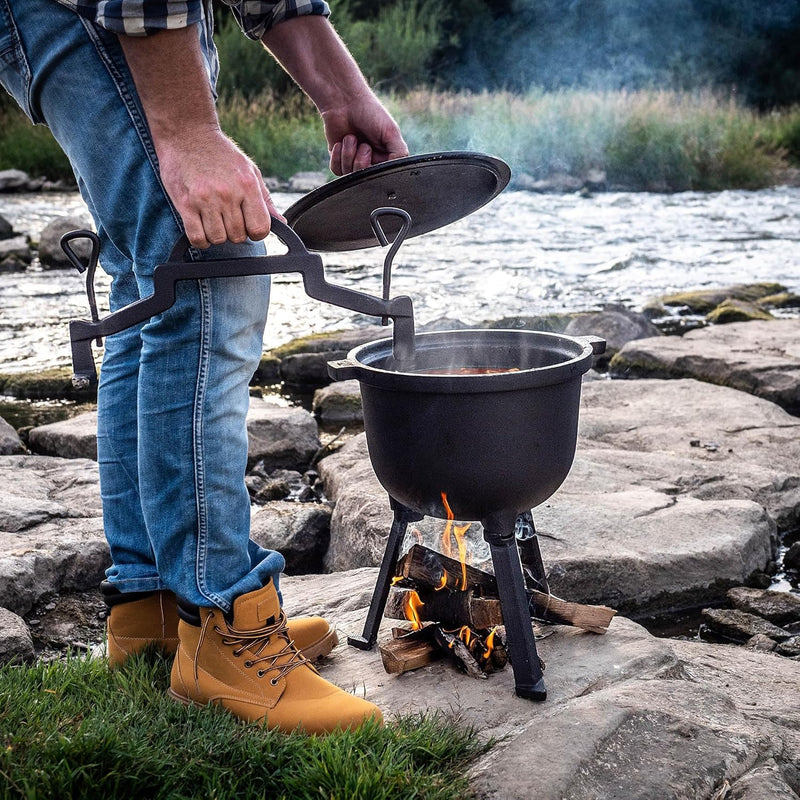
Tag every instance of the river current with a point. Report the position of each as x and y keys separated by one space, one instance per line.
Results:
x=524 y=253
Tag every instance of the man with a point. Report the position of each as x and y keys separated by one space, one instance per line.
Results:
x=127 y=88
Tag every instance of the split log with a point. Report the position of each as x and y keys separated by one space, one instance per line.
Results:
x=426 y=567
x=410 y=650
x=451 y=609
x=549 y=608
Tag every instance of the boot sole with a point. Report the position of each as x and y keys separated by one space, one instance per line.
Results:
x=322 y=647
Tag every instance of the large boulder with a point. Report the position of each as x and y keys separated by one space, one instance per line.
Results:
x=762 y=358
x=627 y=715
x=280 y=437
x=50 y=252
x=299 y=531
x=664 y=507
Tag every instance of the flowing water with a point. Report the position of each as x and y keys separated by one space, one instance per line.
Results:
x=522 y=254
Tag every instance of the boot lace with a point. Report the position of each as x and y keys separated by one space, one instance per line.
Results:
x=255 y=641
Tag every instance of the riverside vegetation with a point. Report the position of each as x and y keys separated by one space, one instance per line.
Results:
x=645 y=140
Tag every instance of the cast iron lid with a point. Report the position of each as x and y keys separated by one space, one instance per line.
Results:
x=435 y=189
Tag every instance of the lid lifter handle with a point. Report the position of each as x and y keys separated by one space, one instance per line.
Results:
x=85 y=373
x=374 y=218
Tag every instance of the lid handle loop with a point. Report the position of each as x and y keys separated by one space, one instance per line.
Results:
x=374 y=218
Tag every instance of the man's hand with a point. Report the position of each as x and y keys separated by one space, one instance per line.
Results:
x=217 y=190
x=359 y=130
x=360 y=134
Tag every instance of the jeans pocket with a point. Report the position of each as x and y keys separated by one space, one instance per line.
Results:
x=15 y=73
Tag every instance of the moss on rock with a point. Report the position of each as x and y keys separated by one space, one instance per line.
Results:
x=48 y=384
x=703 y=301
x=736 y=310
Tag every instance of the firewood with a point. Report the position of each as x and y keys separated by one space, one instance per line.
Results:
x=426 y=567
x=451 y=609
x=550 y=608
x=450 y=642
x=409 y=651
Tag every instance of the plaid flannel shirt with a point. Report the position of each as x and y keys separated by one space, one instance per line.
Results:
x=144 y=17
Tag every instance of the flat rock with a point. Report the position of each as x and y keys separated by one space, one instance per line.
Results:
x=277 y=435
x=627 y=716
x=739 y=626
x=51 y=529
x=762 y=358
x=779 y=608
x=70 y=438
x=280 y=437
x=645 y=521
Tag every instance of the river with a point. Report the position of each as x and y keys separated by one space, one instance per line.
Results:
x=524 y=253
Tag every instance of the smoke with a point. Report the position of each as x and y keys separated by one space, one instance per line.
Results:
x=750 y=47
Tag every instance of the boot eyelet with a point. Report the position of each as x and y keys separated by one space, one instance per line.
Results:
x=260 y=673
x=248 y=664
x=273 y=681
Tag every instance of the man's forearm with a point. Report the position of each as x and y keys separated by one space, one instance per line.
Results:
x=170 y=76
x=310 y=50
x=217 y=190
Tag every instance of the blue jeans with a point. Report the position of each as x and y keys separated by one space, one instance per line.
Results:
x=173 y=394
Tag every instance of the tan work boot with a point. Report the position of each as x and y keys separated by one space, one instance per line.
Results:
x=133 y=623
x=250 y=667
x=153 y=618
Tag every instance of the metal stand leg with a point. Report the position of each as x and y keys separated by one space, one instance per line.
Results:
x=402 y=516
x=498 y=531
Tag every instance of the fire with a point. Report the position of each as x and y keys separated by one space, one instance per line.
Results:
x=457 y=532
x=412 y=603
x=488 y=643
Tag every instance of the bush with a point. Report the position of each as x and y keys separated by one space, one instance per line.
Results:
x=31 y=148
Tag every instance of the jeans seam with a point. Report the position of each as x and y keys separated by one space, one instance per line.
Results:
x=203 y=369
x=20 y=61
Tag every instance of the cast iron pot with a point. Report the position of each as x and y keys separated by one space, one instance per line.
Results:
x=496 y=442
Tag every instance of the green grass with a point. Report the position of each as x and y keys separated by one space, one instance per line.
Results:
x=74 y=729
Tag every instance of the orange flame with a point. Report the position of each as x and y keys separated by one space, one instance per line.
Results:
x=459 y=533
x=412 y=603
x=489 y=644
x=465 y=634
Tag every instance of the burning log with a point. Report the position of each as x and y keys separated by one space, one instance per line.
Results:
x=475 y=654
x=451 y=609
x=425 y=567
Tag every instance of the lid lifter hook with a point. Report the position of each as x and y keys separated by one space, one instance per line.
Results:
x=374 y=218
x=89 y=268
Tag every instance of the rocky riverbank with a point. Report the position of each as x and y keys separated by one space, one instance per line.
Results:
x=685 y=493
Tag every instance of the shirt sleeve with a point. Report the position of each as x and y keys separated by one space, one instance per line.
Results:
x=139 y=17
x=255 y=17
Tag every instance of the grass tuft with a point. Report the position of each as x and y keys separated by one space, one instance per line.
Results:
x=74 y=729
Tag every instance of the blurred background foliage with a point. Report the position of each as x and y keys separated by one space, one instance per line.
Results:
x=746 y=48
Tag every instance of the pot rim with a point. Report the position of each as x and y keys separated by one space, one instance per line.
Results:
x=584 y=347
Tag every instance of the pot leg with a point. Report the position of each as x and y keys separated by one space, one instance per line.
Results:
x=498 y=531
x=402 y=516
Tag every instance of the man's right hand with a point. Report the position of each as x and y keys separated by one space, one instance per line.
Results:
x=218 y=191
